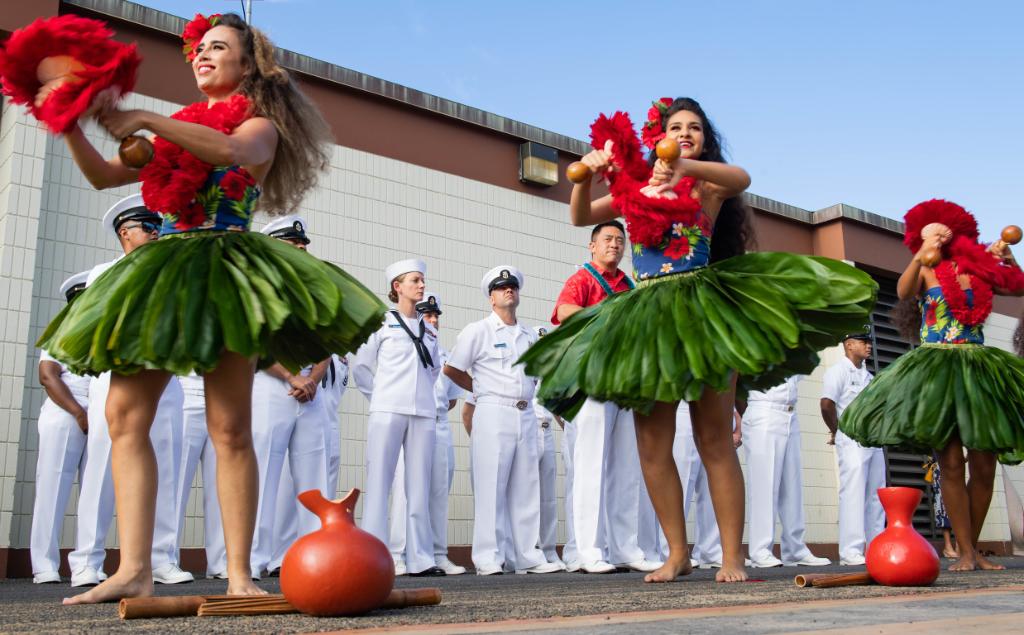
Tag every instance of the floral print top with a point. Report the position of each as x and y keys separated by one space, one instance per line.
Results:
x=683 y=248
x=938 y=326
x=224 y=203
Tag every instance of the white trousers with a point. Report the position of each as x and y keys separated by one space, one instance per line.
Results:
x=332 y=445
x=771 y=437
x=387 y=434
x=282 y=426
x=861 y=473
x=61 y=455
x=442 y=473
x=506 y=486
x=606 y=499
x=569 y=553
x=649 y=534
x=548 y=470
x=707 y=542
x=96 y=495
x=196 y=448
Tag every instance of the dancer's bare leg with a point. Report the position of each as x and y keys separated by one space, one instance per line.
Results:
x=131 y=406
x=954 y=497
x=712 y=434
x=655 y=434
x=229 y=421
x=982 y=467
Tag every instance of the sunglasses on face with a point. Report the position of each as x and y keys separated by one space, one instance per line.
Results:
x=146 y=226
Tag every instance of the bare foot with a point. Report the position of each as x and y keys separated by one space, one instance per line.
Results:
x=731 y=573
x=670 y=570
x=966 y=562
x=243 y=585
x=987 y=565
x=113 y=589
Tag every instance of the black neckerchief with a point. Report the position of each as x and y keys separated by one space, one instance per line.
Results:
x=421 y=348
x=323 y=382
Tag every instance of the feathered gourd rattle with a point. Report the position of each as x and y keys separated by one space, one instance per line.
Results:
x=666 y=149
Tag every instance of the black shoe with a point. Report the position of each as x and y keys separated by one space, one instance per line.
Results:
x=432 y=572
x=276 y=573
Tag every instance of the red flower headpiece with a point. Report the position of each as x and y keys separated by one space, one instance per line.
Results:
x=959 y=221
x=194 y=32
x=653 y=131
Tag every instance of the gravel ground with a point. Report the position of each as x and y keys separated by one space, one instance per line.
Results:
x=468 y=598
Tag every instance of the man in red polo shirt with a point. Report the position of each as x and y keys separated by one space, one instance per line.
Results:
x=603 y=503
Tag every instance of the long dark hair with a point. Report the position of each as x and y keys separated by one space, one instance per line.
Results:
x=905 y=316
x=1018 y=337
x=732 y=233
x=303 y=135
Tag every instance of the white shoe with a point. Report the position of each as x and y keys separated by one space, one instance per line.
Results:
x=86 y=576
x=694 y=564
x=597 y=567
x=46 y=577
x=854 y=561
x=491 y=571
x=717 y=564
x=558 y=561
x=220 y=575
x=767 y=562
x=449 y=567
x=572 y=566
x=171 y=574
x=544 y=567
x=400 y=568
x=643 y=565
x=810 y=560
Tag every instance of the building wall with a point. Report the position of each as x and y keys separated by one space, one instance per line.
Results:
x=367 y=212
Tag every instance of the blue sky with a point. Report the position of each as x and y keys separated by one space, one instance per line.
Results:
x=876 y=104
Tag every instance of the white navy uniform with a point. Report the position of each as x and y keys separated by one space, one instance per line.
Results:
x=861 y=469
x=60 y=456
x=569 y=554
x=96 y=494
x=442 y=474
x=503 y=446
x=332 y=389
x=197 y=447
x=548 y=470
x=771 y=438
x=398 y=379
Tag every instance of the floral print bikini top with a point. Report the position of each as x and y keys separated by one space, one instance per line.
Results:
x=224 y=203
x=939 y=326
x=682 y=248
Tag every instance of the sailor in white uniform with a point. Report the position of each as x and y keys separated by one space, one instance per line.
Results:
x=442 y=473
x=397 y=369
x=771 y=433
x=503 y=444
x=63 y=423
x=548 y=473
x=288 y=422
x=861 y=469
x=134 y=226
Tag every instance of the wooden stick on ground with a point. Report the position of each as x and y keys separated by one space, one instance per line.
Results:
x=826 y=580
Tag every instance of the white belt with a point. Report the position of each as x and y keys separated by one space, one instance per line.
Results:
x=518 y=404
x=771 y=405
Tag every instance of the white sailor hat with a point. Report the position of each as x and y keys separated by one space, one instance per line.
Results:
x=74 y=285
x=404 y=266
x=290 y=227
x=501 y=276
x=128 y=208
x=541 y=331
x=431 y=303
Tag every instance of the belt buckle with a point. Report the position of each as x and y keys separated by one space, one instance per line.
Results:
x=545 y=424
x=521 y=404
x=789 y=408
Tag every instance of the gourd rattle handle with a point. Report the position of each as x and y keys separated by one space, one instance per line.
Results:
x=1010 y=235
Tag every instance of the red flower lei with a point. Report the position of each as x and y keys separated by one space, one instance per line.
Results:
x=956 y=297
x=170 y=181
x=194 y=32
x=652 y=131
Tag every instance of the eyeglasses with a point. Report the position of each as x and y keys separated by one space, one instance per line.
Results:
x=148 y=227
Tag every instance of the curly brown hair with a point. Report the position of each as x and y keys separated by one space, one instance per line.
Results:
x=303 y=135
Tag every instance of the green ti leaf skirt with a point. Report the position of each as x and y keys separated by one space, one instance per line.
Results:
x=763 y=315
x=178 y=303
x=938 y=392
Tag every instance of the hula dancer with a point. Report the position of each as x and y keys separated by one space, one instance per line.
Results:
x=208 y=296
x=701 y=312
x=952 y=392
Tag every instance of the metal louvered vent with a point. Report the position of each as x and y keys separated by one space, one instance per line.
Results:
x=903 y=469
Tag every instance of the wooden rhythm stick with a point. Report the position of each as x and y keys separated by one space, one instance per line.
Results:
x=667 y=150
x=826 y=580
x=227 y=605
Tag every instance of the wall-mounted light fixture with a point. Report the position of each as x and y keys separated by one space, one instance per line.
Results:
x=538 y=164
